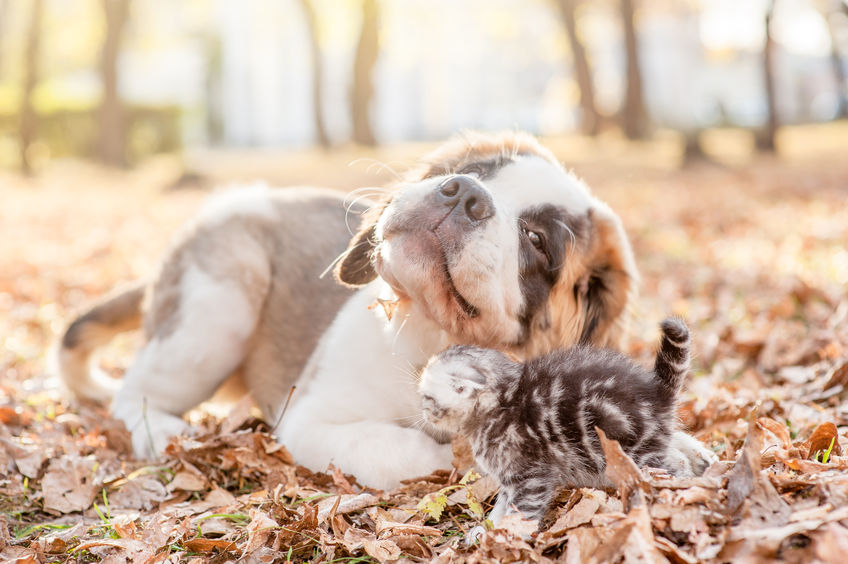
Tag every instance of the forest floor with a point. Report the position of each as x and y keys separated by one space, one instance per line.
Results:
x=751 y=250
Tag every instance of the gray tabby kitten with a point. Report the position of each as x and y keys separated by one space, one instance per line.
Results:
x=532 y=424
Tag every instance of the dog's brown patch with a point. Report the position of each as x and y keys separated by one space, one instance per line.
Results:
x=588 y=303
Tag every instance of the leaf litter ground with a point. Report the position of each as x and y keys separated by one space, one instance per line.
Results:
x=754 y=256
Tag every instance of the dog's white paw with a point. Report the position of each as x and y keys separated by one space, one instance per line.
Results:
x=152 y=434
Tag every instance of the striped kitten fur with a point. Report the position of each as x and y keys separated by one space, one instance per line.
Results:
x=532 y=424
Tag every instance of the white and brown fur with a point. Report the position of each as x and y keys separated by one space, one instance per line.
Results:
x=532 y=424
x=242 y=289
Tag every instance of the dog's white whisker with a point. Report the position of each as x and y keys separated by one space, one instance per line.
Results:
x=381 y=166
x=336 y=260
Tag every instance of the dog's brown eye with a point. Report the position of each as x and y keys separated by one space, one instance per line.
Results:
x=460 y=389
x=535 y=238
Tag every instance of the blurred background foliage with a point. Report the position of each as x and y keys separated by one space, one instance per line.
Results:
x=119 y=80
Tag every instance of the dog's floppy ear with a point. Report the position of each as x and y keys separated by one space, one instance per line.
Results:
x=355 y=268
x=609 y=285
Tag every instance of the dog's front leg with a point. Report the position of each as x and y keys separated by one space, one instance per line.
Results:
x=380 y=454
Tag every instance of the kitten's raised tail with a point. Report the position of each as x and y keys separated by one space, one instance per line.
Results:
x=673 y=357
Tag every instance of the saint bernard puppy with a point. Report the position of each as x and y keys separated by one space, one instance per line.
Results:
x=491 y=242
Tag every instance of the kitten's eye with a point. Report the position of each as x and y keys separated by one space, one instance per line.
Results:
x=460 y=389
x=535 y=238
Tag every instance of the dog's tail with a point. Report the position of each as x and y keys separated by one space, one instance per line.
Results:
x=115 y=313
x=673 y=357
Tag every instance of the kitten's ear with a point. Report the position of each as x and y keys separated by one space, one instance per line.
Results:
x=355 y=267
x=608 y=286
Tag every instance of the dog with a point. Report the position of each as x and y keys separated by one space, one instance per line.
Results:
x=489 y=242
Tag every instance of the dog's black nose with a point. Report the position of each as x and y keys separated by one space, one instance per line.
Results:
x=466 y=194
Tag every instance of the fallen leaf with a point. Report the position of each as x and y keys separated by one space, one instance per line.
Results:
x=383 y=550
x=341 y=482
x=385 y=526
x=238 y=415
x=825 y=437
x=463 y=457
x=745 y=472
x=580 y=514
x=259 y=530
x=68 y=484
x=209 y=545
x=633 y=540
x=621 y=470
x=838 y=376
x=346 y=504
x=778 y=430
x=517 y=525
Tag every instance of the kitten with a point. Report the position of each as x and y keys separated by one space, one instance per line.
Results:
x=532 y=424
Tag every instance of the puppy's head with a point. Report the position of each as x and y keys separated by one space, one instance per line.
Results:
x=458 y=382
x=501 y=247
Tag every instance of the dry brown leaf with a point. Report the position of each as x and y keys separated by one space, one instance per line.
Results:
x=633 y=540
x=28 y=459
x=259 y=530
x=358 y=539
x=502 y=546
x=346 y=504
x=239 y=414
x=463 y=457
x=517 y=525
x=745 y=472
x=580 y=514
x=483 y=489
x=778 y=430
x=385 y=526
x=831 y=543
x=413 y=545
x=209 y=545
x=341 y=482
x=621 y=470
x=389 y=306
x=838 y=376
x=124 y=525
x=821 y=440
x=127 y=545
x=142 y=492
x=687 y=520
x=695 y=494
x=584 y=541
x=767 y=540
x=188 y=481
x=10 y=415
x=673 y=551
x=68 y=484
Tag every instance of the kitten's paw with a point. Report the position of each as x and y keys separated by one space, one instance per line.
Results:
x=474 y=535
x=687 y=456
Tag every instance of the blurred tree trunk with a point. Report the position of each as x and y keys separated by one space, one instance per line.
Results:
x=212 y=88
x=590 y=121
x=765 y=140
x=112 y=133
x=4 y=13
x=317 y=72
x=693 y=151
x=32 y=54
x=838 y=69
x=634 y=118
x=363 y=66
